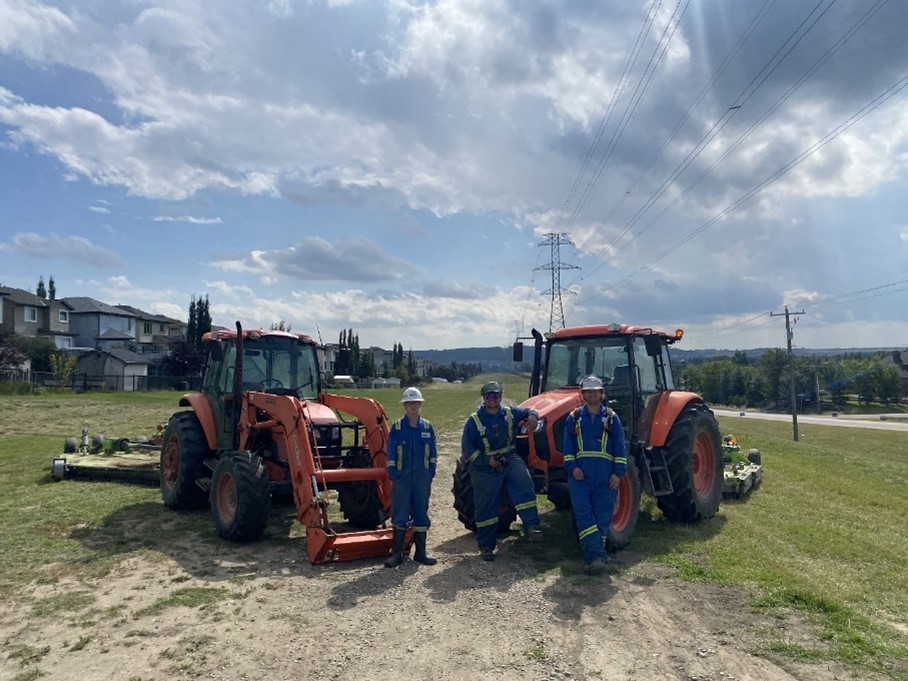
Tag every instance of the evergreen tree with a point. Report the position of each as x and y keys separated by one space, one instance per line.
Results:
x=204 y=319
x=41 y=292
x=193 y=327
x=52 y=288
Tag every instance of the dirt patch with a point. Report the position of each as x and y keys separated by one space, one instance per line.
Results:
x=211 y=610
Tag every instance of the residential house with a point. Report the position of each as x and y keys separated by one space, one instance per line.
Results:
x=26 y=314
x=99 y=325
x=155 y=334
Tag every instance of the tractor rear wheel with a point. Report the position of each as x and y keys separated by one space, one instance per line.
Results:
x=183 y=453
x=359 y=501
x=693 y=454
x=627 y=507
x=466 y=510
x=240 y=497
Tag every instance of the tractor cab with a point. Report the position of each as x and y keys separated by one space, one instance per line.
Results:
x=632 y=367
x=274 y=362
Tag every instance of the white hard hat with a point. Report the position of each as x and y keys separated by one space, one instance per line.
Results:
x=412 y=395
x=591 y=383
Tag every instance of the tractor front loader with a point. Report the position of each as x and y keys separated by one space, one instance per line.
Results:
x=261 y=426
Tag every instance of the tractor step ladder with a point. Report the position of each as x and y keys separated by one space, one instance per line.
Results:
x=657 y=472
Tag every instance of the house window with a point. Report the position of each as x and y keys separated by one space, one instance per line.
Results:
x=162 y=329
x=147 y=328
x=31 y=314
x=64 y=316
x=63 y=342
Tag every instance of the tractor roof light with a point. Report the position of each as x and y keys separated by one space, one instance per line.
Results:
x=614 y=328
x=679 y=333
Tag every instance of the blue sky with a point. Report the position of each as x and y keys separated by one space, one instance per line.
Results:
x=394 y=166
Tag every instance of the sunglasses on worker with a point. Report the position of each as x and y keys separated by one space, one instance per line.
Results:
x=492 y=396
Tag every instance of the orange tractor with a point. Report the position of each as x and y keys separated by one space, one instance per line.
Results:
x=675 y=450
x=261 y=426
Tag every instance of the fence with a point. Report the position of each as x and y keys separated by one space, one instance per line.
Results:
x=85 y=382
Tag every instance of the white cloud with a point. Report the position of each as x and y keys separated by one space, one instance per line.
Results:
x=33 y=30
x=99 y=209
x=316 y=259
x=72 y=248
x=188 y=218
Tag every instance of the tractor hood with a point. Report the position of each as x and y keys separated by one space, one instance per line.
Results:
x=320 y=414
x=554 y=403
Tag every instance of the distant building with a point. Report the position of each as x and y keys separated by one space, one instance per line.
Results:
x=900 y=360
x=116 y=369
x=26 y=314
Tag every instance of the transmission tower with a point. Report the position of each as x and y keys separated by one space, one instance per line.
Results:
x=554 y=242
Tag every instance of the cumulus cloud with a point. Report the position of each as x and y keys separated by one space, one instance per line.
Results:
x=73 y=248
x=316 y=259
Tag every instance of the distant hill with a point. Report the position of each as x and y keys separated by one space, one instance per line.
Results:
x=490 y=358
x=499 y=359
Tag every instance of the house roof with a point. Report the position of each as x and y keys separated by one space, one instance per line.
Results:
x=114 y=334
x=149 y=316
x=127 y=356
x=83 y=304
x=19 y=296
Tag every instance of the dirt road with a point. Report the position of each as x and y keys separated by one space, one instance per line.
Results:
x=205 y=609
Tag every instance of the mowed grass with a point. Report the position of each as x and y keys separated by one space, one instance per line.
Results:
x=826 y=535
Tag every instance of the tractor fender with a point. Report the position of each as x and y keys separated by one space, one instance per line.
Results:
x=202 y=408
x=660 y=415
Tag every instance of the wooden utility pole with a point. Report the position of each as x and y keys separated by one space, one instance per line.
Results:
x=791 y=372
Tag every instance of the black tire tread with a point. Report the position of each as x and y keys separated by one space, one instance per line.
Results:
x=684 y=504
x=186 y=494
x=463 y=501
x=253 y=497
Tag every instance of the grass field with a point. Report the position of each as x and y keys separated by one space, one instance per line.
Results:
x=826 y=534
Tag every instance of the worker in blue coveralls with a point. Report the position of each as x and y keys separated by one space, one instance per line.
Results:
x=595 y=460
x=488 y=446
x=412 y=456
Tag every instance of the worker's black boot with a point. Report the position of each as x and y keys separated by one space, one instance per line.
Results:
x=397 y=555
x=419 y=539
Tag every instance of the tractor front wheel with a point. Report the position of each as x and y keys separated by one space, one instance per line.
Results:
x=466 y=510
x=240 y=497
x=693 y=455
x=183 y=453
x=359 y=501
x=627 y=507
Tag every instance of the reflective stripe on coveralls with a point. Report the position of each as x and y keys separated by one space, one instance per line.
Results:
x=592 y=499
x=487 y=482
x=411 y=469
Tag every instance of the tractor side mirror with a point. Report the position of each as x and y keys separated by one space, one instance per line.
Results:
x=518 y=351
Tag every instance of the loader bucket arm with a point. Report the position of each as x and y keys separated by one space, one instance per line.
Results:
x=371 y=414
x=287 y=419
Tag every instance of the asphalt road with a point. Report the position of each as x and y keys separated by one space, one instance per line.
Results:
x=897 y=422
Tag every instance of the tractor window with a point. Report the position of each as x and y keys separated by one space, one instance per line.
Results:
x=569 y=361
x=282 y=365
x=650 y=378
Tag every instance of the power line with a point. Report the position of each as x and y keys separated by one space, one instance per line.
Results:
x=738 y=101
x=831 y=300
x=890 y=92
